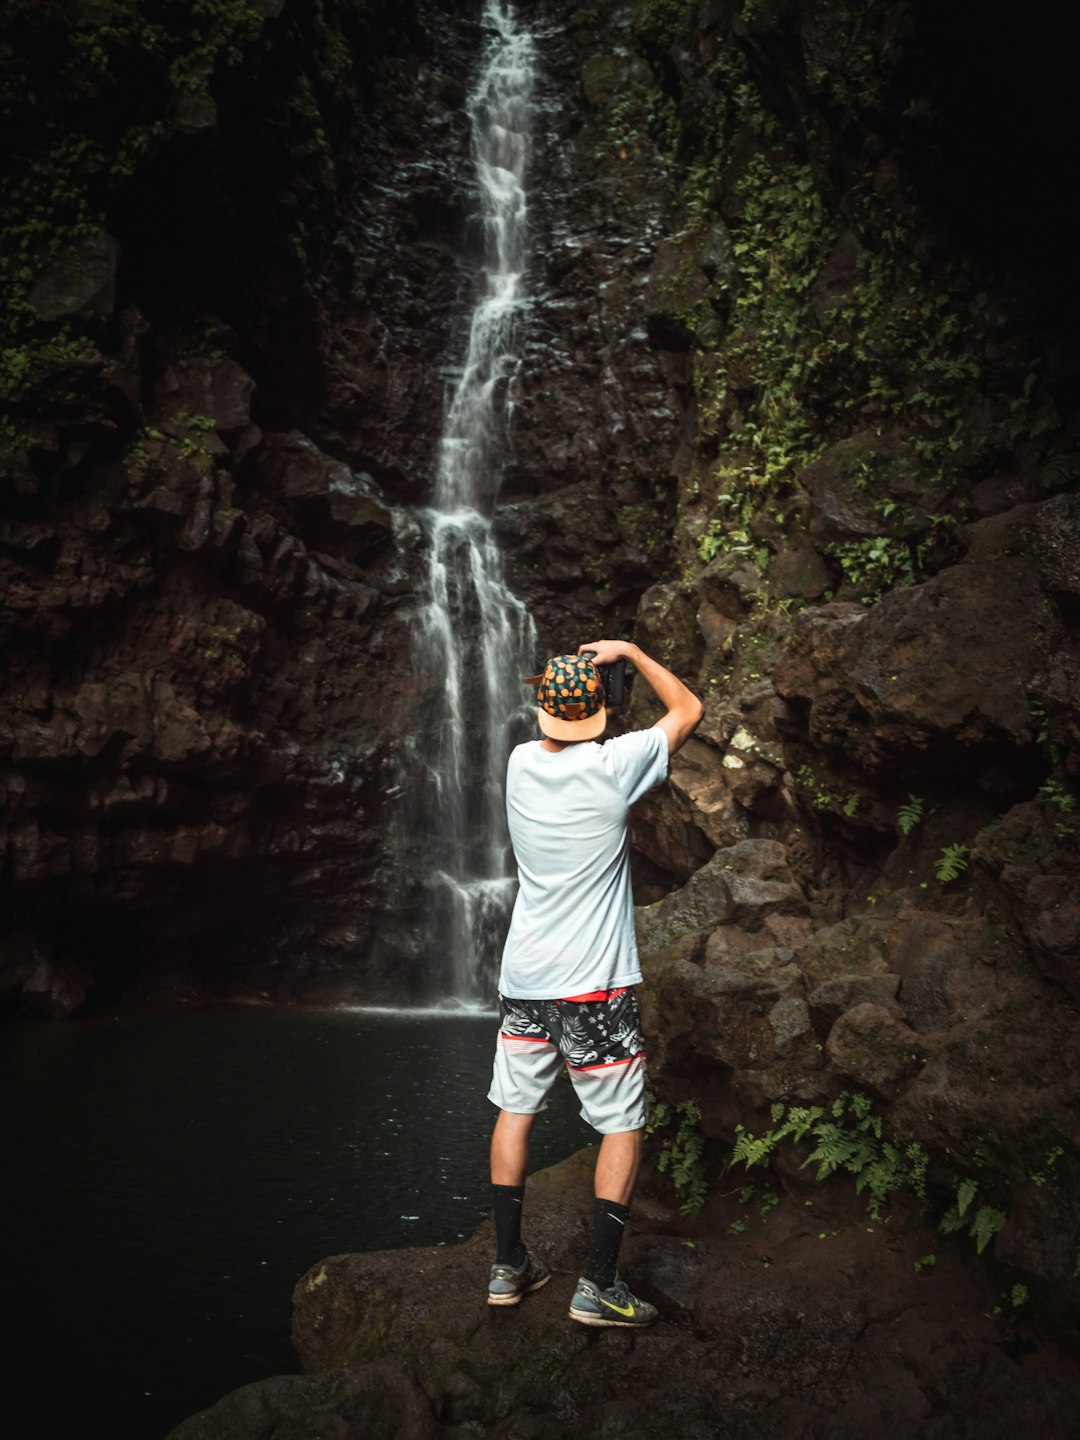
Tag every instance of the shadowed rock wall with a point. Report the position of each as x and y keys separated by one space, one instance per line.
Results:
x=874 y=584
x=234 y=287
x=223 y=387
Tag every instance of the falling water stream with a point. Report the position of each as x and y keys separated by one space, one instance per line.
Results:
x=476 y=639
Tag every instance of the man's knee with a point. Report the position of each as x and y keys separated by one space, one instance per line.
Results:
x=511 y=1122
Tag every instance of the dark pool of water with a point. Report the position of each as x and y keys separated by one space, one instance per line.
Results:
x=169 y=1177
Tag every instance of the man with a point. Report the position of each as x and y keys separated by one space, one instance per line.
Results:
x=570 y=960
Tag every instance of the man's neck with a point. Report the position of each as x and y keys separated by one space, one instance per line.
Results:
x=554 y=745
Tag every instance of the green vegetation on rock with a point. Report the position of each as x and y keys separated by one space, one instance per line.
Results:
x=60 y=92
x=849 y=1137
x=824 y=314
x=681 y=1155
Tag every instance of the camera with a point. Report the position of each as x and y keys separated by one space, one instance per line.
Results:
x=614 y=679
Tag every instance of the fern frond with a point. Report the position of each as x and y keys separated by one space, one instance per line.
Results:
x=910 y=814
x=834 y=1151
x=951 y=1222
x=861 y=1105
x=799 y=1120
x=965 y=1193
x=751 y=1149
x=985 y=1226
x=951 y=862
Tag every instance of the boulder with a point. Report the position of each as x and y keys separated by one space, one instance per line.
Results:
x=829 y=1000
x=740 y=885
x=947 y=969
x=109 y=710
x=81 y=281
x=726 y=785
x=838 y=277
x=799 y=572
x=726 y=1013
x=871 y=1048
x=381 y=1401
x=1031 y=852
x=947 y=660
x=806 y=1314
x=47 y=985
x=36 y=853
x=298 y=470
x=179 y=731
x=1057 y=528
x=724 y=1003
x=201 y=389
x=196 y=110
x=1044 y=1219
x=847 y=483
x=682 y=281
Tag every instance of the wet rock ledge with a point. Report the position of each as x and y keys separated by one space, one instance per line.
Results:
x=810 y=1323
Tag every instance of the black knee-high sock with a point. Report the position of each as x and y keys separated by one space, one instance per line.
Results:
x=508 y=1202
x=609 y=1222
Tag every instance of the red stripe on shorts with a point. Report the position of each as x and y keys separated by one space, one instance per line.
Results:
x=593 y=995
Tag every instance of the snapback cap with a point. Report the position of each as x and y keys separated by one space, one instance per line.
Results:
x=570 y=699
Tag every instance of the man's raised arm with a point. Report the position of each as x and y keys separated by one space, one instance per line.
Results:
x=684 y=709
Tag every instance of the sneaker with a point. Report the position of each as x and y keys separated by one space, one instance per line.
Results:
x=508 y=1284
x=613 y=1306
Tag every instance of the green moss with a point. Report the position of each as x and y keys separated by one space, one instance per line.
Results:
x=643 y=525
x=659 y=23
x=877 y=564
x=24 y=367
x=90 y=91
x=371 y=1343
x=833 y=317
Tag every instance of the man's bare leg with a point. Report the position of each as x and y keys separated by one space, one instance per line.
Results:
x=510 y=1148
x=617 y=1166
x=617 y=1163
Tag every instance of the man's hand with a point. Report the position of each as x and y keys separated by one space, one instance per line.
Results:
x=684 y=709
x=606 y=652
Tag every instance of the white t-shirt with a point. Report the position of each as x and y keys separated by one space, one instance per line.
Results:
x=572 y=930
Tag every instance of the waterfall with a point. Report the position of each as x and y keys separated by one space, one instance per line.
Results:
x=475 y=639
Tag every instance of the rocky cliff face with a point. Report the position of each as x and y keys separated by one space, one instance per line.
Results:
x=874 y=583
x=223 y=381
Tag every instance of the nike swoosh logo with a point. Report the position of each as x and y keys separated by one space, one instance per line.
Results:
x=620 y=1309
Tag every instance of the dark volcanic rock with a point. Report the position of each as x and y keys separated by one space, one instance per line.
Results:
x=1038 y=868
x=205 y=670
x=81 y=281
x=771 y=357
x=805 y=1324
x=845 y=482
x=943 y=661
x=207 y=603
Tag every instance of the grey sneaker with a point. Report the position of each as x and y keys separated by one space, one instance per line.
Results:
x=507 y=1284
x=613 y=1306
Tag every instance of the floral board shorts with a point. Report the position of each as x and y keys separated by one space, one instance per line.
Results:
x=599 y=1041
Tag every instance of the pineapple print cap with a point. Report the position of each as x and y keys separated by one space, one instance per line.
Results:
x=570 y=699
